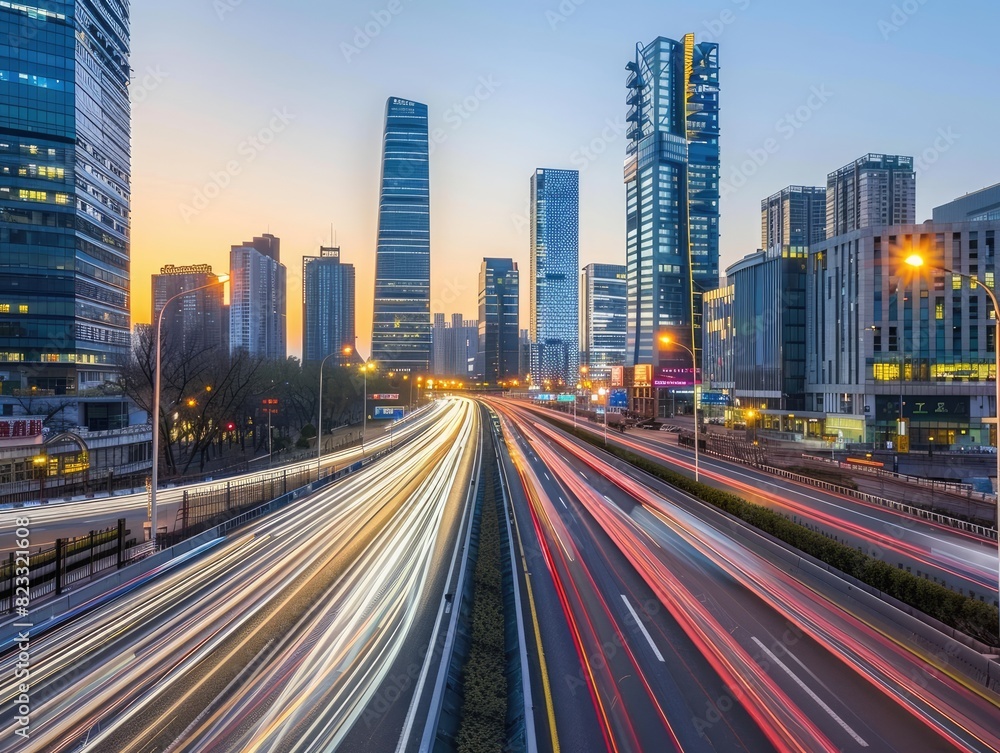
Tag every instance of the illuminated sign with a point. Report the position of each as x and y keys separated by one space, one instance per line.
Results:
x=714 y=398
x=923 y=408
x=394 y=412
x=385 y=396
x=566 y=398
x=672 y=377
x=643 y=375
x=617 y=376
x=618 y=398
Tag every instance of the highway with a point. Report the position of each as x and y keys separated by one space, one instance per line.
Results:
x=278 y=638
x=63 y=519
x=691 y=639
x=945 y=555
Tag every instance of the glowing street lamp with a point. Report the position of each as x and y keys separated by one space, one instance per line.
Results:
x=666 y=340
x=917 y=261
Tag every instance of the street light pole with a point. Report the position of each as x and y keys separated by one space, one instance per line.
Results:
x=154 y=481
x=694 y=385
x=319 y=430
x=915 y=260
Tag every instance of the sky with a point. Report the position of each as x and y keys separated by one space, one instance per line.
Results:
x=254 y=116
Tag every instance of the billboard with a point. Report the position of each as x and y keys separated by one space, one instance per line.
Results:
x=674 y=377
x=643 y=375
x=617 y=376
x=395 y=412
x=384 y=396
x=566 y=399
x=714 y=398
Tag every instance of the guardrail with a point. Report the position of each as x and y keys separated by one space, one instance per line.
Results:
x=917 y=512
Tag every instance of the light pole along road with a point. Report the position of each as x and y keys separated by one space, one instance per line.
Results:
x=346 y=351
x=917 y=261
x=154 y=481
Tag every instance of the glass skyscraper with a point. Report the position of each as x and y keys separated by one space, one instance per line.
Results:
x=795 y=216
x=555 y=291
x=327 y=306
x=603 y=317
x=401 y=325
x=499 y=298
x=672 y=180
x=64 y=195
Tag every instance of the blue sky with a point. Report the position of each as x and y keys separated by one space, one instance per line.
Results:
x=251 y=115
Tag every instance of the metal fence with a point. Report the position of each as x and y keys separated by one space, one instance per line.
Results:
x=52 y=569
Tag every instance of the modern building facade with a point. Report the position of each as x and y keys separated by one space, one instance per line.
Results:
x=672 y=181
x=769 y=324
x=887 y=344
x=455 y=345
x=64 y=242
x=401 y=326
x=794 y=216
x=603 y=319
x=554 y=293
x=499 y=308
x=873 y=191
x=719 y=340
x=327 y=306
x=257 y=300
x=195 y=324
x=983 y=204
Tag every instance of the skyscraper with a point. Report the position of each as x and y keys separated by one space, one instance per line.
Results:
x=401 y=325
x=555 y=292
x=872 y=191
x=64 y=194
x=603 y=318
x=327 y=305
x=499 y=297
x=194 y=323
x=257 y=304
x=672 y=179
x=454 y=346
x=795 y=216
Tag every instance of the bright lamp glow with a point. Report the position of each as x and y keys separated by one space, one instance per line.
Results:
x=915 y=260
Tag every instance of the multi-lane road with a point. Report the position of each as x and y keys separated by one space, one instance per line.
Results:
x=960 y=560
x=651 y=622
x=690 y=639
x=279 y=638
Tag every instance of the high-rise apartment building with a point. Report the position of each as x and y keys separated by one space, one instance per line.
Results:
x=555 y=293
x=874 y=190
x=327 y=306
x=257 y=301
x=455 y=343
x=401 y=327
x=194 y=324
x=672 y=181
x=497 y=358
x=603 y=319
x=64 y=195
x=795 y=216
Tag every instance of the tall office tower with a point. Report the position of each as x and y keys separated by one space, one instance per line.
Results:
x=439 y=339
x=672 y=179
x=795 y=216
x=401 y=326
x=327 y=306
x=499 y=298
x=64 y=195
x=603 y=318
x=555 y=292
x=194 y=324
x=873 y=191
x=464 y=344
x=257 y=298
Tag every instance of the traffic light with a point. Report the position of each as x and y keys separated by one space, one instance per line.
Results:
x=230 y=426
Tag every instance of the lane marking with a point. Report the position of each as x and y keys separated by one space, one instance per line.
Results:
x=649 y=638
x=564 y=503
x=608 y=498
x=833 y=714
x=583 y=474
x=547 y=475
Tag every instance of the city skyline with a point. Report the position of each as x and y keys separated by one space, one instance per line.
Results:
x=581 y=128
